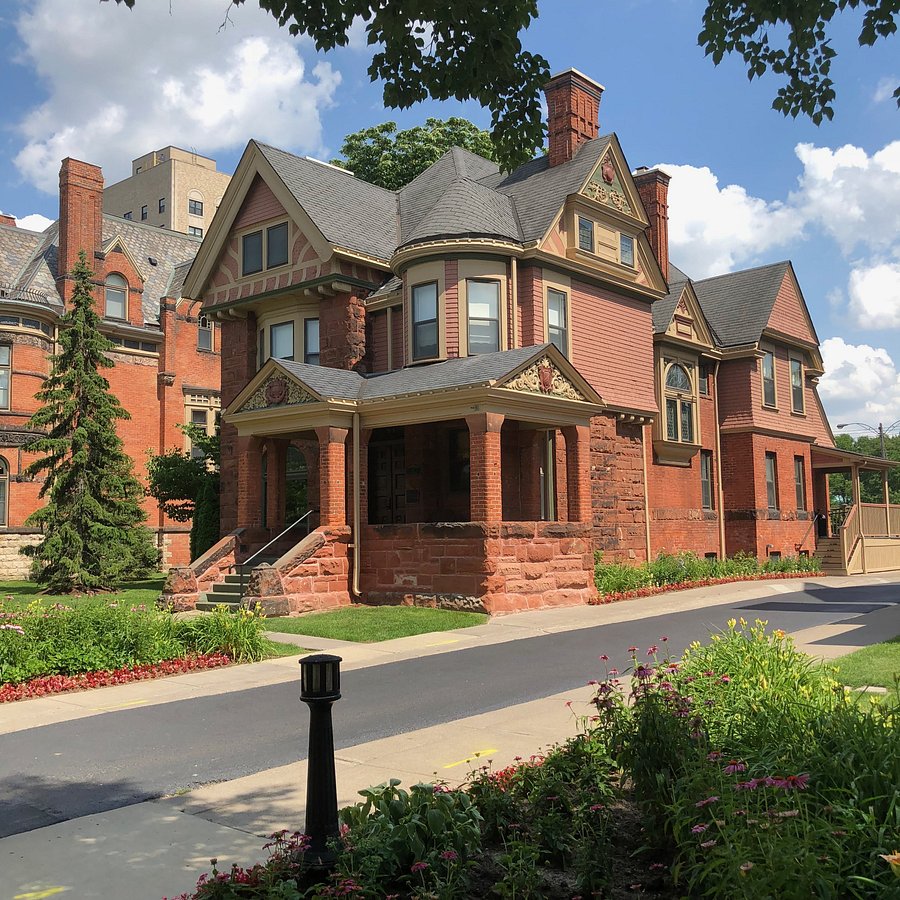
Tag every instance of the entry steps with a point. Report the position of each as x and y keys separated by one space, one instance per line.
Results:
x=229 y=593
x=829 y=552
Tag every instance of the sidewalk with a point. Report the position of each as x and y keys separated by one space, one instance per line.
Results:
x=158 y=848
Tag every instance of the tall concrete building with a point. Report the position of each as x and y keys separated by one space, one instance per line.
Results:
x=169 y=188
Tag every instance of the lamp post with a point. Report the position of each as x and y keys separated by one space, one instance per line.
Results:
x=320 y=686
x=881 y=431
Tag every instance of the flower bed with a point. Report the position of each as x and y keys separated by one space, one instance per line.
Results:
x=58 y=684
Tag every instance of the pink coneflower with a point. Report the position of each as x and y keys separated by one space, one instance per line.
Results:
x=613 y=673
x=709 y=800
x=596 y=807
x=657 y=867
x=707 y=844
x=664 y=638
x=418 y=867
x=725 y=679
x=734 y=767
x=699 y=829
x=714 y=755
x=792 y=782
x=643 y=672
x=632 y=649
x=450 y=855
x=652 y=651
x=604 y=658
x=746 y=867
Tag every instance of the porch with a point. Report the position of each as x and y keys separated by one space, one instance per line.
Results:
x=858 y=525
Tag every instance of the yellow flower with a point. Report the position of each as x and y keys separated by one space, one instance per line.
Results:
x=779 y=634
x=893 y=860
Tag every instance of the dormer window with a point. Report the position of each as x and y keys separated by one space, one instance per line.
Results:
x=116 y=296
x=679 y=405
x=607 y=243
x=267 y=244
x=585 y=234
x=626 y=250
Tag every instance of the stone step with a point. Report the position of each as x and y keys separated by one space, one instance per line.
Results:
x=226 y=588
x=208 y=604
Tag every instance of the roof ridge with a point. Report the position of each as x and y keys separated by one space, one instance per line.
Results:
x=156 y=229
x=19 y=230
x=783 y=262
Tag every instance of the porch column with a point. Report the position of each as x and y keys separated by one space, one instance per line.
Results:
x=249 y=487
x=578 y=471
x=532 y=448
x=276 y=461
x=887 y=500
x=332 y=475
x=485 y=472
x=364 y=435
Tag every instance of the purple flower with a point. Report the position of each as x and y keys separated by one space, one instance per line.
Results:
x=714 y=755
x=699 y=829
x=450 y=855
x=707 y=844
x=653 y=650
x=643 y=672
x=707 y=802
x=418 y=867
x=734 y=767
x=792 y=782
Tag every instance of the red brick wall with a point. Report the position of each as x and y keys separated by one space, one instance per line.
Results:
x=617 y=489
x=572 y=115
x=653 y=188
x=502 y=567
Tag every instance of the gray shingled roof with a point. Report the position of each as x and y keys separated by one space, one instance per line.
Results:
x=468 y=209
x=538 y=191
x=392 y=285
x=738 y=305
x=348 y=211
x=664 y=309
x=420 y=196
x=172 y=251
x=469 y=371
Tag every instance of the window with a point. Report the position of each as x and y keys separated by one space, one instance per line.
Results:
x=143 y=213
x=194 y=231
x=251 y=255
x=626 y=250
x=204 y=334
x=311 y=341
x=424 y=320
x=162 y=204
x=276 y=245
x=706 y=479
x=276 y=249
x=195 y=207
x=800 y=482
x=281 y=340
x=199 y=417
x=768 y=379
x=771 y=481
x=797 y=386
x=585 y=234
x=128 y=215
x=484 y=316
x=4 y=492
x=703 y=381
x=202 y=410
x=5 y=361
x=116 y=297
x=557 y=329
x=679 y=405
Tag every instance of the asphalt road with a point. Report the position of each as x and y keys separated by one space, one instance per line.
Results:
x=58 y=772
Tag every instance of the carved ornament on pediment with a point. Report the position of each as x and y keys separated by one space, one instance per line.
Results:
x=682 y=308
x=544 y=378
x=607 y=195
x=277 y=391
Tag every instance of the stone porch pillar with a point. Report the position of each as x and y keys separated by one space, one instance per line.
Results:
x=249 y=488
x=332 y=475
x=485 y=470
x=578 y=472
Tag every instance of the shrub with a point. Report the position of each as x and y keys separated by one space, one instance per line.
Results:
x=614 y=578
x=239 y=634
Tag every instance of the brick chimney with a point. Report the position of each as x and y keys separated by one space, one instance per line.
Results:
x=573 y=106
x=653 y=187
x=7 y=220
x=80 y=218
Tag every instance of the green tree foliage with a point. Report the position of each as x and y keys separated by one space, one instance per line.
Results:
x=92 y=523
x=382 y=155
x=186 y=487
x=470 y=50
x=871 y=489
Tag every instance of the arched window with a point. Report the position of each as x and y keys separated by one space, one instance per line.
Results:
x=679 y=404
x=116 y=297
x=204 y=333
x=4 y=492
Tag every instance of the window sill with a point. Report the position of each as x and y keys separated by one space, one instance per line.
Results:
x=594 y=258
x=675 y=453
x=799 y=415
x=770 y=408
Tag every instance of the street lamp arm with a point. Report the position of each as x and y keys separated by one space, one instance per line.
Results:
x=863 y=425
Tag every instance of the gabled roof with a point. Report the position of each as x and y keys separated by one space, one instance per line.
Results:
x=348 y=211
x=738 y=305
x=664 y=309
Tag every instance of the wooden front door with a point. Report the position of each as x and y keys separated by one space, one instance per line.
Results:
x=387 y=483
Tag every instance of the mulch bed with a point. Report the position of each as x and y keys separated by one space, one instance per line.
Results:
x=59 y=684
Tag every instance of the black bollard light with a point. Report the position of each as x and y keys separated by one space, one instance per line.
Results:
x=320 y=686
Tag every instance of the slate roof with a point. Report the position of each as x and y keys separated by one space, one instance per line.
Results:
x=469 y=371
x=664 y=309
x=738 y=305
x=28 y=260
x=348 y=211
x=392 y=285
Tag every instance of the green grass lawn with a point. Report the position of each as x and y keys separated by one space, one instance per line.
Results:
x=368 y=624
x=275 y=649
x=24 y=592
x=875 y=666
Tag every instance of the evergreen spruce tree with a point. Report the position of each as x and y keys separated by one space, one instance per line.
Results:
x=92 y=523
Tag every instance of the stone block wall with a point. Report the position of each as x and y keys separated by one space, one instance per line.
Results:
x=14 y=564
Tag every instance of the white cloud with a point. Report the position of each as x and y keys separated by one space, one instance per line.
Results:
x=875 y=295
x=123 y=82
x=861 y=383
x=34 y=222
x=885 y=88
x=715 y=229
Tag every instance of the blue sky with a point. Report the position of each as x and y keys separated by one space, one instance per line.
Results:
x=98 y=82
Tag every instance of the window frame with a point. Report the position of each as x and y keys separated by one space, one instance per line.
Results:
x=800 y=483
x=772 y=482
x=306 y=354
x=678 y=399
x=769 y=354
x=579 y=219
x=498 y=320
x=144 y=213
x=703 y=380
x=263 y=232
x=622 y=238
x=796 y=361
x=123 y=288
x=195 y=207
x=707 y=494
x=195 y=231
x=283 y=324
x=552 y=289
x=208 y=329
x=5 y=481
x=415 y=323
x=161 y=206
x=6 y=375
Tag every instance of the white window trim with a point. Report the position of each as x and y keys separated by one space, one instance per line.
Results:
x=415 y=276
x=793 y=358
x=481 y=270
x=563 y=284
x=762 y=378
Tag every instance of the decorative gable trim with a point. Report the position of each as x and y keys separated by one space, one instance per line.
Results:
x=116 y=243
x=688 y=324
x=545 y=378
x=610 y=183
x=276 y=390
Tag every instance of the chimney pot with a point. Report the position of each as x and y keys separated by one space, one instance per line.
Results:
x=573 y=105
x=7 y=220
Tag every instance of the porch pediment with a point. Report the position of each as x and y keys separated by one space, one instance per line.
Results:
x=544 y=378
x=277 y=390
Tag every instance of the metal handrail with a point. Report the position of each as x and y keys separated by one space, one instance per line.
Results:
x=241 y=567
